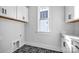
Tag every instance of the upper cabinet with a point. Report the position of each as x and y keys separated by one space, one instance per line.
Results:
x=71 y=14
x=22 y=13
x=17 y=13
x=8 y=11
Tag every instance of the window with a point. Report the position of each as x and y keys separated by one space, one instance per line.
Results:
x=43 y=19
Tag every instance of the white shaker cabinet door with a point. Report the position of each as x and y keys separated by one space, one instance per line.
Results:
x=22 y=13
x=25 y=14
x=3 y=11
x=19 y=12
x=11 y=11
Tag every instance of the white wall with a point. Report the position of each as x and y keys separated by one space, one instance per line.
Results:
x=10 y=32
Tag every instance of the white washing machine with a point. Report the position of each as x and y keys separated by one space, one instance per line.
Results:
x=66 y=44
x=70 y=44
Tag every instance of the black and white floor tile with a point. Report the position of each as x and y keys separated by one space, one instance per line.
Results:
x=33 y=49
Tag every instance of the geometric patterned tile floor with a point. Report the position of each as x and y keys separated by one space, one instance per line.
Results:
x=33 y=49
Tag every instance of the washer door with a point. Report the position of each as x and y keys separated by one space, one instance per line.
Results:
x=75 y=47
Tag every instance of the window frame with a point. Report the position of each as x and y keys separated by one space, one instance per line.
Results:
x=39 y=18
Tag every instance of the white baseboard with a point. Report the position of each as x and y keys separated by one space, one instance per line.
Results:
x=38 y=44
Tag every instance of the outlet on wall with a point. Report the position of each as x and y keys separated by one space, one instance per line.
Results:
x=16 y=45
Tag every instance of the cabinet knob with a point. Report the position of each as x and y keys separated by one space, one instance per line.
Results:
x=69 y=16
x=2 y=10
x=23 y=17
x=64 y=44
x=5 y=11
